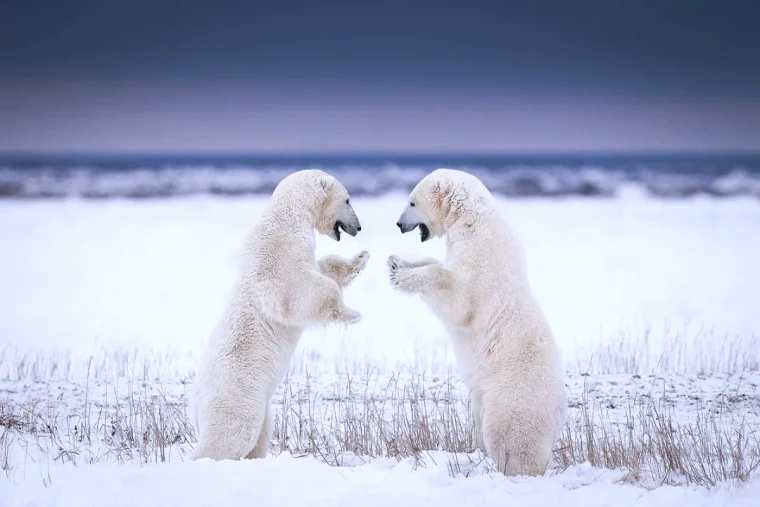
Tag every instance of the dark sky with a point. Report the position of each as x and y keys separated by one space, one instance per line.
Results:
x=380 y=76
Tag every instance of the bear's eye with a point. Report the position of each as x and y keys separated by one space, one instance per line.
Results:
x=347 y=201
x=411 y=204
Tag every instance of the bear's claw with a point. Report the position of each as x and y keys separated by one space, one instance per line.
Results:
x=395 y=266
x=360 y=261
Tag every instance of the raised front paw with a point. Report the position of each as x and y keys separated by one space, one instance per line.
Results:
x=395 y=262
x=354 y=267
x=400 y=275
x=359 y=262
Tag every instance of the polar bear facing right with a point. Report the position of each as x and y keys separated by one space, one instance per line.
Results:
x=280 y=290
x=504 y=346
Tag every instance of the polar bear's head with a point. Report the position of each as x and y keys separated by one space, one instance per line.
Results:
x=440 y=200
x=322 y=198
x=336 y=213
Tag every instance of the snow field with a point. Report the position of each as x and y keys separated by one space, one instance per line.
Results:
x=104 y=306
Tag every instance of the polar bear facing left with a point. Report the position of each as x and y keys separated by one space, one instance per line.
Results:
x=503 y=343
x=280 y=290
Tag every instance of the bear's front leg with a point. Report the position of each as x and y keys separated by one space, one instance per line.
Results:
x=317 y=300
x=326 y=303
x=343 y=271
x=424 y=280
x=411 y=264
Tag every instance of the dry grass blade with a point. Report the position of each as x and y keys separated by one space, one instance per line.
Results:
x=399 y=417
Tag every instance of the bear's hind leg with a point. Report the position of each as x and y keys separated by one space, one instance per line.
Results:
x=261 y=448
x=230 y=430
x=515 y=441
x=476 y=411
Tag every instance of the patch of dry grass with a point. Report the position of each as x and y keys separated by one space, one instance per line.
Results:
x=399 y=418
x=655 y=446
x=143 y=428
x=359 y=418
x=662 y=351
x=667 y=351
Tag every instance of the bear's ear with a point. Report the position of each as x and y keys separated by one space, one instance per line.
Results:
x=325 y=182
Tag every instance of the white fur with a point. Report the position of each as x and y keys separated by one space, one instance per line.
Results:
x=281 y=288
x=503 y=343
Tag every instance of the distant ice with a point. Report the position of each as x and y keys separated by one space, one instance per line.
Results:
x=139 y=179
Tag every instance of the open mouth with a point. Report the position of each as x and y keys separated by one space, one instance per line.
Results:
x=424 y=233
x=340 y=226
x=336 y=229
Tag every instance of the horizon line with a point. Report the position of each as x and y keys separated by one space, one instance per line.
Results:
x=375 y=154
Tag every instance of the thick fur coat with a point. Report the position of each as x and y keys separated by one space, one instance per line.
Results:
x=281 y=289
x=503 y=343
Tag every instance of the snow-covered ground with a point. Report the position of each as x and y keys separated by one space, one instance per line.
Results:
x=295 y=482
x=635 y=274
x=104 y=306
x=103 y=450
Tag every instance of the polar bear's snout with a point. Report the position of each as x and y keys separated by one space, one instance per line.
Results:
x=410 y=220
x=347 y=228
x=347 y=222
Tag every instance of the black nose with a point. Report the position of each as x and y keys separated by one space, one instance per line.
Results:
x=359 y=228
x=398 y=224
